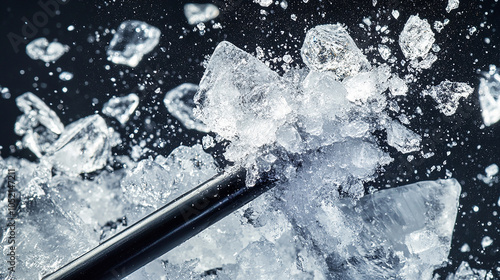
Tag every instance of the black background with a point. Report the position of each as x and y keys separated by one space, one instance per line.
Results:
x=180 y=54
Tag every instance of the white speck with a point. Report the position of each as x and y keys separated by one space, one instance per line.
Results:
x=71 y=28
x=65 y=76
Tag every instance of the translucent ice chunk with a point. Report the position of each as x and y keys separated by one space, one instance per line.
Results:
x=452 y=5
x=241 y=98
x=154 y=183
x=43 y=50
x=417 y=38
x=403 y=139
x=330 y=48
x=399 y=233
x=489 y=96
x=121 y=107
x=397 y=86
x=132 y=41
x=180 y=103
x=84 y=146
x=36 y=112
x=447 y=95
x=197 y=13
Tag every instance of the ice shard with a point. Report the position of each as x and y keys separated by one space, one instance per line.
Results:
x=489 y=93
x=198 y=13
x=448 y=94
x=83 y=147
x=417 y=38
x=241 y=98
x=43 y=50
x=38 y=113
x=180 y=103
x=132 y=41
x=399 y=233
x=452 y=5
x=121 y=108
x=330 y=48
x=403 y=139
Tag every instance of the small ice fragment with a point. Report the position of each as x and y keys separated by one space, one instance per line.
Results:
x=465 y=248
x=489 y=96
x=287 y=58
x=198 y=13
x=71 y=28
x=5 y=92
x=417 y=38
x=84 y=146
x=264 y=3
x=43 y=50
x=403 y=139
x=447 y=95
x=208 y=142
x=491 y=170
x=384 y=51
x=397 y=86
x=486 y=241
x=452 y=5
x=395 y=14
x=330 y=48
x=65 y=76
x=121 y=107
x=132 y=41
x=180 y=103
x=36 y=110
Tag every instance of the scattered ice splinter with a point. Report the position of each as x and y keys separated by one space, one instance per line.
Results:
x=447 y=95
x=66 y=76
x=490 y=176
x=403 y=139
x=132 y=41
x=198 y=13
x=180 y=103
x=121 y=108
x=43 y=50
x=417 y=38
x=330 y=48
x=452 y=5
x=489 y=96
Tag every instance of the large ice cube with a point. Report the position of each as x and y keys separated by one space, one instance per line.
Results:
x=447 y=95
x=197 y=13
x=37 y=112
x=417 y=38
x=330 y=48
x=132 y=41
x=241 y=98
x=49 y=52
x=180 y=103
x=121 y=107
x=400 y=233
x=84 y=146
x=489 y=93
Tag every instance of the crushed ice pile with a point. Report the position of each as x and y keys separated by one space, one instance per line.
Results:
x=132 y=41
x=314 y=127
x=43 y=50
